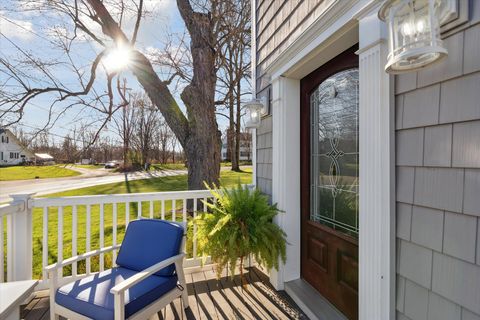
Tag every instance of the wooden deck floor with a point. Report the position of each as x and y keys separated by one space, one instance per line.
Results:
x=210 y=298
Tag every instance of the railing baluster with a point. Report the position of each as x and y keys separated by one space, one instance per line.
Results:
x=184 y=211
x=114 y=235
x=139 y=204
x=195 y=200
x=204 y=204
x=74 y=239
x=102 y=234
x=45 y=243
x=60 y=240
x=151 y=209
x=127 y=214
x=10 y=248
x=163 y=209
x=173 y=210
x=87 y=239
x=2 y=257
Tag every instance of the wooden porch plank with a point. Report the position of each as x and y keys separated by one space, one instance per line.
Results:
x=40 y=308
x=248 y=298
x=228 y=289
x=287 y=306
x=225 y=310
x=201 y=292
x=193 y=311
x=27 y=308
x=262 y=300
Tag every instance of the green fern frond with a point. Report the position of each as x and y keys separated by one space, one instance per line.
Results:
x=239 y=222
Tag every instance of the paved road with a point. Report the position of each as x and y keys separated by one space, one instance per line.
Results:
x=87 y=179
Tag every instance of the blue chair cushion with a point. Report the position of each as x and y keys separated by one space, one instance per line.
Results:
x=148 y=242
x=91 y=296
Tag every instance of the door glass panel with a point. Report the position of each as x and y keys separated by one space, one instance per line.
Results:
x=334 y=152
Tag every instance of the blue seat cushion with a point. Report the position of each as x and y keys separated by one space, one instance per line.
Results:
x=148 y=242
x=91 y=296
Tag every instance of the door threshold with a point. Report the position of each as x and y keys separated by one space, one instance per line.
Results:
x=312 y=303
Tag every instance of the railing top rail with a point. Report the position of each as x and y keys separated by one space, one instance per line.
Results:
x=120 y=198
x=11 y=208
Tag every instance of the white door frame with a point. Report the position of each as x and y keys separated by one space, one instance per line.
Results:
x=377 y=176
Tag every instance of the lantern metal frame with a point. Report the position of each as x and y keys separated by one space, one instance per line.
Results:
x=420 y=48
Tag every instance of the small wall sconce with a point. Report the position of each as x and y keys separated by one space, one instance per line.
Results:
x=414 y=33
x=256 y=108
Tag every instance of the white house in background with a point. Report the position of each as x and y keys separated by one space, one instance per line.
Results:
x=245 y=147
x=11 y=150
x=377 y=176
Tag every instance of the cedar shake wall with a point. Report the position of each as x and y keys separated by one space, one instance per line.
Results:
x=278 y=25
x=438 y=185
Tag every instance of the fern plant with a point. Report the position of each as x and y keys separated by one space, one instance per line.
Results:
x=239 y=222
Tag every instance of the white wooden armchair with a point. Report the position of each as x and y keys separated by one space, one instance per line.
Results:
x=148 y=276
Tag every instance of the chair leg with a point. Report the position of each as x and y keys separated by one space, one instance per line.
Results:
x=183 y=283
x=185 y=298
x=53 y=289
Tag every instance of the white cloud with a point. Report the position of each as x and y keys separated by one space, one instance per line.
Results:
x=13 y=28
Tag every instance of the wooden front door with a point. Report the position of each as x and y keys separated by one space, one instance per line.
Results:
x=329 y=181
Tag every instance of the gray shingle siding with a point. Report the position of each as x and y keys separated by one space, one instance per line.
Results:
x=264 y=156
x=438 y=185
x=278 y=25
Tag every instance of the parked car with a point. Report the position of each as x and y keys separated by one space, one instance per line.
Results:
x=112 y=165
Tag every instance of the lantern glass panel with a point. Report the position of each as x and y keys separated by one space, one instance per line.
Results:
x=255 y=111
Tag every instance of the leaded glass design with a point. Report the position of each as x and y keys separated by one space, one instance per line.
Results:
x=334 y=152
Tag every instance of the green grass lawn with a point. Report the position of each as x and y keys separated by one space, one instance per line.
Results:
x=169 y=166
x=181 y=166
x=89 y=166
x=31 y=172
x=172 y=183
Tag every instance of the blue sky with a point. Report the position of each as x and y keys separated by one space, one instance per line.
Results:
x=35 y=32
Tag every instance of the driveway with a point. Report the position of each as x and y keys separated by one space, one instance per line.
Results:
x=88 y=178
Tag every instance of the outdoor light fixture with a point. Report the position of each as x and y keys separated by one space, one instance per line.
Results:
x=414 y=33
x=117 y=58
x=256 y=109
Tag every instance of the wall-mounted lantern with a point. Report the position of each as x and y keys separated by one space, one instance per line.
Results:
x=413 y=33
x=256 y=108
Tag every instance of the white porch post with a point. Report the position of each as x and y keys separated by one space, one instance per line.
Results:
x=19 y=260
x=377 y=175
x=253 y=132
x=286 y=172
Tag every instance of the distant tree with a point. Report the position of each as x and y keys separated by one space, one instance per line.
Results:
x=146 y=120
x=234 y=72
x=102 y=23
x=69 y=149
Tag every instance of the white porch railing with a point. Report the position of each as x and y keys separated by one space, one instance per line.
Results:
x=42 y=231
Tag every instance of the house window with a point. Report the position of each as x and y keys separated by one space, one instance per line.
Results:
x=1 y=155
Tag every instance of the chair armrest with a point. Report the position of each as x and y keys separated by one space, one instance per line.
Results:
x=80 y=257
x=130 y=282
